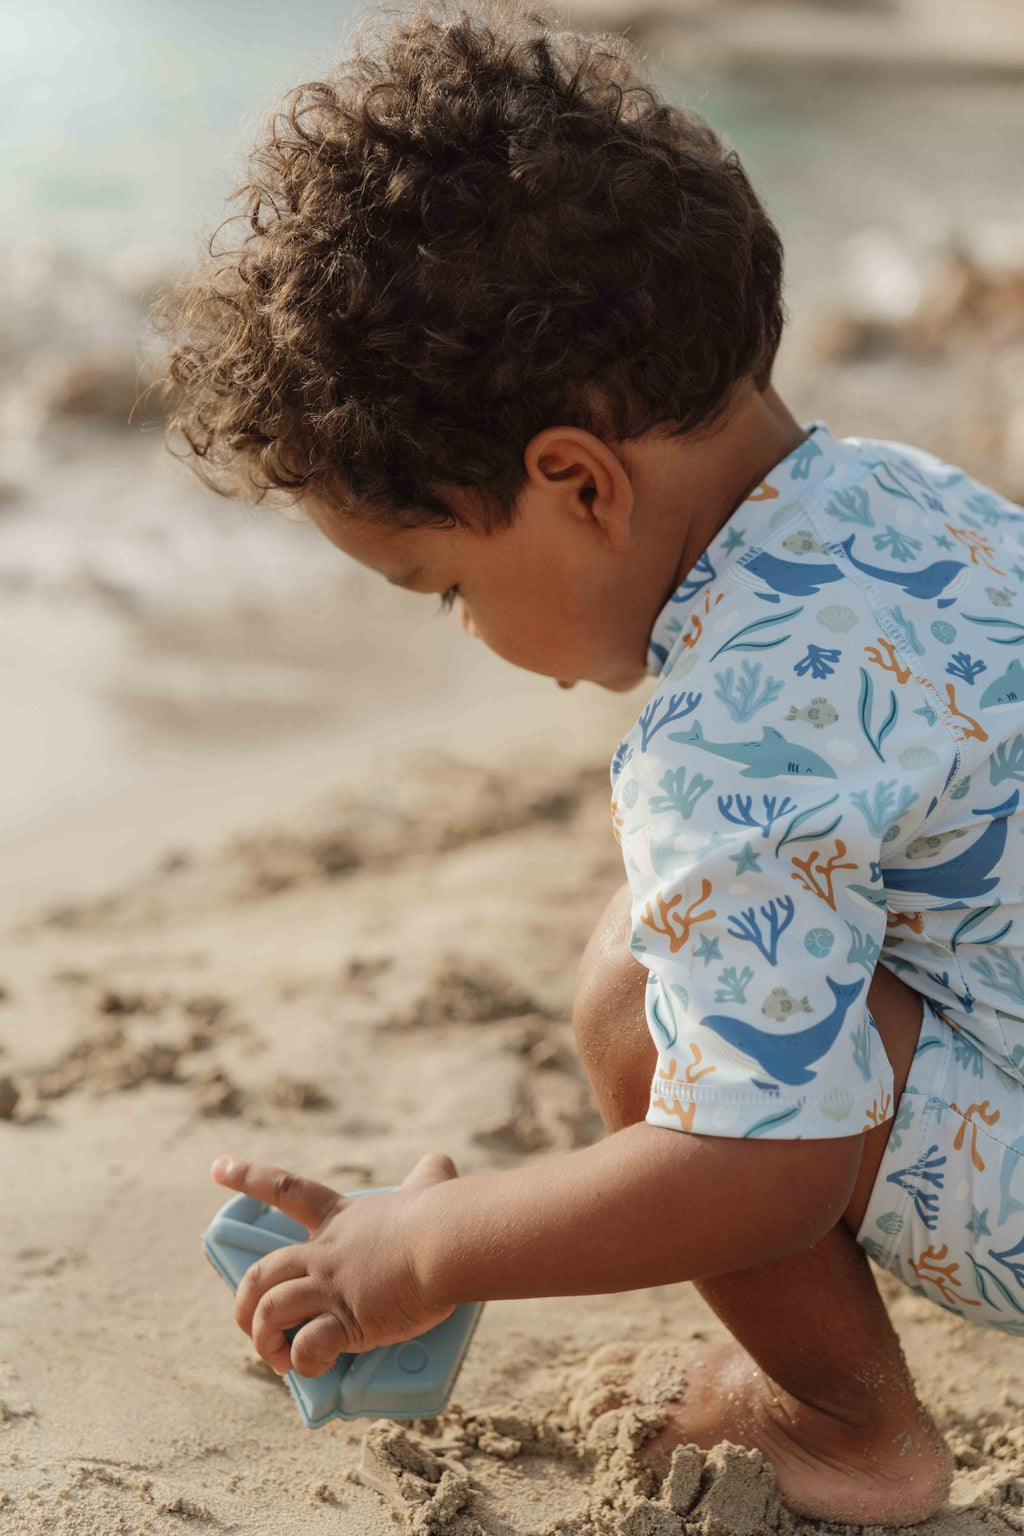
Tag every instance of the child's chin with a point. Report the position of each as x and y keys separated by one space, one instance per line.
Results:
x=624 y=684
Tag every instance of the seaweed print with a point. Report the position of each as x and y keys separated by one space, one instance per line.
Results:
x=748 y=694
x=678 y=795
x=775 y=806
x=777 y=915
x=694 y=1072
x=865 y=709
x=926 y=1171
x=677 y=707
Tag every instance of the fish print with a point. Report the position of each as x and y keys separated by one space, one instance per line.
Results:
x=965 y=873
x=803 y=543
x=780 y=1004
x=819 y=713
x=932 y=844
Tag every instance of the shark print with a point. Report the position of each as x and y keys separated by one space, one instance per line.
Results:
x=772 y=757
x=1005 y=691
x=844 y=791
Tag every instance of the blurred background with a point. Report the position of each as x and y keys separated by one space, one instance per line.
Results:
x=174 y=666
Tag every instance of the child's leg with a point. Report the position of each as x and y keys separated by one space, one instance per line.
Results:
x=816 y=1379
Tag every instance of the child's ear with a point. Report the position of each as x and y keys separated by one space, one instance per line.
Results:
x=585 y=478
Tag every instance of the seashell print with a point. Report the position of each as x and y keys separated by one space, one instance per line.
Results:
x=838 y=618
x=842 y=751
x=918 y=757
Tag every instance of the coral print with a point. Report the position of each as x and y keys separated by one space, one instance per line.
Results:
x=828 y=775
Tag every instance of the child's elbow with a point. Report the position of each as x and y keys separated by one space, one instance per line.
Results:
x=772 y=1199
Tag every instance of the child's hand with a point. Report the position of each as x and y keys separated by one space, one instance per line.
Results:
x=351 y=1287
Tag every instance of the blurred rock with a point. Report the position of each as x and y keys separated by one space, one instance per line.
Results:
x=96 y=386
x=9 y=1096
x=959 y=315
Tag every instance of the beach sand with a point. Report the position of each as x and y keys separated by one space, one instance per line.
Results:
x=386 y=970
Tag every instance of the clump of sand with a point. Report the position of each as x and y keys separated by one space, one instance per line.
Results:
x=599 y=1430
x=437 y=1475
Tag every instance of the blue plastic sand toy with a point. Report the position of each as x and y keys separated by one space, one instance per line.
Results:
x=398 y=1381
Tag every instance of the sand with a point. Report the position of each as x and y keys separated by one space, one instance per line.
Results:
x=387 y=971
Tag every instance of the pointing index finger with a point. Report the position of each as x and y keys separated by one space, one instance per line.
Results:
x=304 y=1200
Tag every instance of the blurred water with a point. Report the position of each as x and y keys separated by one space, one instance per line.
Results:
x=121 y=122
x=119 y=118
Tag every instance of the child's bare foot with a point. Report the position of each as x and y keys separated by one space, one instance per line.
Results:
x=890 y=1468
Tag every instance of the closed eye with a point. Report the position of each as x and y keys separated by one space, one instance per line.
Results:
x=448 y=599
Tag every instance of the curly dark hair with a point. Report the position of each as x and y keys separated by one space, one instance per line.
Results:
x=476 y=227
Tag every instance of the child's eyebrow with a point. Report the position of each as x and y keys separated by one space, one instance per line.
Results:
x=408 y=580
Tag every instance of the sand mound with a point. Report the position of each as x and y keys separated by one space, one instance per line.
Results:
x=435 y=1475
x=430 y=807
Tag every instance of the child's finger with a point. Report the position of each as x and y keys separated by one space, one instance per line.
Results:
x=304 y=1200
x=274 y=1269
x=318 y=1344
x=284 y=1306
x=432 y=1168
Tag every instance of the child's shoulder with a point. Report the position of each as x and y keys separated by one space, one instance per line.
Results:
x=896 y=473
x=860 y=577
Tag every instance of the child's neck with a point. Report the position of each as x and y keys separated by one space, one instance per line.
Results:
x=722 y=471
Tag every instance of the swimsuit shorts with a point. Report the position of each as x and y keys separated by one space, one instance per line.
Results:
x=946 y=1213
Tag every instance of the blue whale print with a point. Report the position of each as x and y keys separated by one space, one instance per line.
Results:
x=927 y=583
x=791 y=576
x=965 y=874
x=787 y=1058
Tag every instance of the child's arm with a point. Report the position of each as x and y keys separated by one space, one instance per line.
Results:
x=643 y=1207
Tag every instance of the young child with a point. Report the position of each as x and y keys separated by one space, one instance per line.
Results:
x=505 y=322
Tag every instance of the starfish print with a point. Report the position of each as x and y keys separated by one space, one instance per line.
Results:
x=978 y=1225
x=746 y=859
x=733 y=539
x=940 y=538
x=707 y=950
x=927 y=714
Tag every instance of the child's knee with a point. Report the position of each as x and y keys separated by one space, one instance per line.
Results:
x=609 y=1021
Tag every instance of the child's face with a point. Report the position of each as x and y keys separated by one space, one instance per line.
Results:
x=559 y=592
x=533 y=602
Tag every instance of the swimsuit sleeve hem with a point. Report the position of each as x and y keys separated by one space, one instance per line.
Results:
x=706 y=1111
